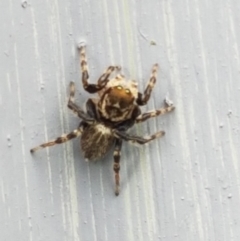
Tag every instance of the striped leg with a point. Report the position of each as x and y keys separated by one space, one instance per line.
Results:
x=75 y=108
x=104 y=77
x=93 y=88
x=138 y=139
x=60 y=140
x=143 y=98
x=116 y=166
x=154 y=113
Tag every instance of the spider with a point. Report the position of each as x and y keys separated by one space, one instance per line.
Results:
x=108 y=117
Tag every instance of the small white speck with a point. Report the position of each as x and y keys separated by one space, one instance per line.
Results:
x=167 y=101
x=81 y=43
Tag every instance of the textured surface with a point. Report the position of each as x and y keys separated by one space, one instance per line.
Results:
x=184 y=186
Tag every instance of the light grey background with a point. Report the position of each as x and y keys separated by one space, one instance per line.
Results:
x=184 y=186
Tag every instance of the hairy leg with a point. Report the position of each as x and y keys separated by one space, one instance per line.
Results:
x=60 y=140
x=154 y=113
x=93 y=88
x=137 y=139
x=116 y=166
x=75 y=108
x=143 y=98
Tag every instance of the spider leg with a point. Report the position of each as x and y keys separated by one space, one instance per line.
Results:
x=137 y=139
x=154 y=113
x=143 y=98
x=60 y=140
x=75 y=108
x=116 y=166
x=93 y=88
x=103 y=79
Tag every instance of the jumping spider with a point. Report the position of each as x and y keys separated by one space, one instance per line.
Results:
x=107 y=118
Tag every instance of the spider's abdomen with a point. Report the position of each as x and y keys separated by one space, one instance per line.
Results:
x=96 y=141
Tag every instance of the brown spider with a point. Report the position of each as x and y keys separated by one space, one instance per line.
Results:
x=108 y=117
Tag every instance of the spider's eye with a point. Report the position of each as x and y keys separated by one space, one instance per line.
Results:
x=119 y=87
x=127 y=91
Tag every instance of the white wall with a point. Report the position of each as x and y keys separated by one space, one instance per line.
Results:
x=184 y=186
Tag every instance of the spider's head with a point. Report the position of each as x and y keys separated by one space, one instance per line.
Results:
x=118 y=99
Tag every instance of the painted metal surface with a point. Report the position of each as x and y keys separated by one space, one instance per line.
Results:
x=184 y=186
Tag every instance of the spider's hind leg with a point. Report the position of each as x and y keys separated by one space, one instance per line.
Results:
x=137 y=139
x=60 y=139
x=116 y=166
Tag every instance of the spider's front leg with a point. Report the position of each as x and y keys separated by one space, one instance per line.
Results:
x=143 y=98
x=93 y=88
x=116 y=166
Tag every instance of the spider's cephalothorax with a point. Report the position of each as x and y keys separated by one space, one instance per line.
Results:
x=117 y=101
x=108 y=117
